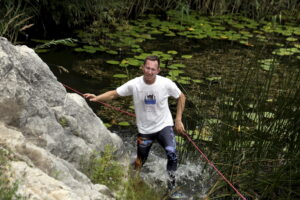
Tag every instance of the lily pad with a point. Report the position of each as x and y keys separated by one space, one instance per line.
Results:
x=291 y=39
x=124 y=124
x=172 y=52
x=113 y=62
x=187 y=56
x=120 y=76
x=113 y=52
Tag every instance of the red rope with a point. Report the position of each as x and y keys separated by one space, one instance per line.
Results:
x=186 y=135
x=105 y=104
x=212 y=164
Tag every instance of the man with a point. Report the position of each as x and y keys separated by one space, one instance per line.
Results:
x=153 y=117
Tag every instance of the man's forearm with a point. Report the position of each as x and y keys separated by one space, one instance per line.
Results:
x=107 y=96
x=180 y=107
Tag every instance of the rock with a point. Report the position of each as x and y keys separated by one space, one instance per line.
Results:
x=35 y=102
x=54 y=129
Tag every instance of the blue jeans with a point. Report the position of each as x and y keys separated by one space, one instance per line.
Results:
x=166 y=139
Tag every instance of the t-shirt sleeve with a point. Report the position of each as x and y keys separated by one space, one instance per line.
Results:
x=125 y=89
x=173 y=90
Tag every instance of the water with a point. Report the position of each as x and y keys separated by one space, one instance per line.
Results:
x=191 y=178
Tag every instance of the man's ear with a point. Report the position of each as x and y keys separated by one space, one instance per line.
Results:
x=141 y=67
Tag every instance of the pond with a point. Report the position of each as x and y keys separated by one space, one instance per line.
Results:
x=233 y=70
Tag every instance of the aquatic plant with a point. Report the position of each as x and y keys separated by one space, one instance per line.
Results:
x=254 y=136
x=14 y=20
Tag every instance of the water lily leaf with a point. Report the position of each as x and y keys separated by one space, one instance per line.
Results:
x=124 y=124
x=297 y=46
x=266 y=64
x=174 y=73
x=124 y=63
x=120 y=76
x=286 y=51
x=113 y=52
x=291 y=39
x=266 y=67
x=79 y=49
x=279 y=44
x=172 y=52
x=187 y=56
x=137 y=50
x=142 y=56
x=113 y=62
x=172 y=67
x=158 y=53
x=170 y=34
x=182 y=81
x=134 y=62
x=177 y=65
x=155 y=32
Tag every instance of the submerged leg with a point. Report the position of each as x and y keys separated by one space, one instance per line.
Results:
x=144 y=144
x=166 y=139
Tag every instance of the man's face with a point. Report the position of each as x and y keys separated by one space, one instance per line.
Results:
x=150 y=70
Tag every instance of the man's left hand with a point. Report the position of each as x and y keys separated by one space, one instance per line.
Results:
x=179 y=127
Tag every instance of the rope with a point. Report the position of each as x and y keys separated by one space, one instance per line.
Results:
x=215 y=168
x=185 y=134
x=105 y=104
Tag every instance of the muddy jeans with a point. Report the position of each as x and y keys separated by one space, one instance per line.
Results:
x=166 y=139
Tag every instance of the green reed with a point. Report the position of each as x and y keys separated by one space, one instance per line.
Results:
x=13 y=19
x=255 y=127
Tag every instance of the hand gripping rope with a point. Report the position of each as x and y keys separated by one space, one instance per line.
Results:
x=185 y=134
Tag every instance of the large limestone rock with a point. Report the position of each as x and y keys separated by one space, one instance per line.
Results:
x=54 y=129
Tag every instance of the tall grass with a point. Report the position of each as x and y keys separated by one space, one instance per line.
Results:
x=49 y=15
x=250 y=8
x=13 y=19
x=255 y=133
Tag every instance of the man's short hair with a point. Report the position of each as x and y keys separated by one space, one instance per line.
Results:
x=152 y=58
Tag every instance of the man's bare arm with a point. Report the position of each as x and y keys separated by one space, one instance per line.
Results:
x=107 y=96
x=179 y=127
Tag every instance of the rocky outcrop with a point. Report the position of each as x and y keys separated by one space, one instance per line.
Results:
x=48 y=129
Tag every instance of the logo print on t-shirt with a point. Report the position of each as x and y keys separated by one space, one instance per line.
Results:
x=150 y=99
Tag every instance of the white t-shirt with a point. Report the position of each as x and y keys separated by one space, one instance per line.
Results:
x=151 y=102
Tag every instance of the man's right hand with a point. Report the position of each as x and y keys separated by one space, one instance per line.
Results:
x=89 y=96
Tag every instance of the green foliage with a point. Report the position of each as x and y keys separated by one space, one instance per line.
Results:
x=63 y=122
x=47 y=44
x=254 y=132
x=104 y=169
x=7 y=188
x=135 y=189
x=13 y=19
